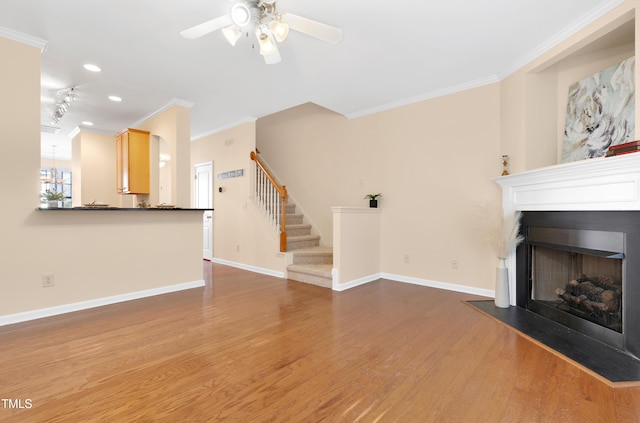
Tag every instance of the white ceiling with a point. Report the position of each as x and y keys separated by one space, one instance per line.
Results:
x=392 y=53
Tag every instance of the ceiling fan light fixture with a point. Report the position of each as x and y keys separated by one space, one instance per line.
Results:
x=279 y=29
x=240 y=14
x=266 y=46
x=232 y=34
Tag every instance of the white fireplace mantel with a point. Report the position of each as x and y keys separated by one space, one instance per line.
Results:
x=607 y=183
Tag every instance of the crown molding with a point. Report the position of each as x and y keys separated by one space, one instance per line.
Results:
x=75 y=132
x=90 y=129
x=426 y=96
x=172 y=103
x=561 y=36
x=23 y=38
x=248 y=119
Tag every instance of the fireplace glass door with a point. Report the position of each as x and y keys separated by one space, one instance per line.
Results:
x=578 y=272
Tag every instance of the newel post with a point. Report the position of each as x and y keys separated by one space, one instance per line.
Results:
x=283 y=224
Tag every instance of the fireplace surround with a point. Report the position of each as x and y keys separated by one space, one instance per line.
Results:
x=581 y=223
x=578 y=268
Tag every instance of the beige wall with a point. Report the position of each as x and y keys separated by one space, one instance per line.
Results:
x=534 y=98
x=173 y=127
x=310 y=150
x=433 y=162
x=241 y=235
x=357 y=244
x=94 y=169
x=92 y=254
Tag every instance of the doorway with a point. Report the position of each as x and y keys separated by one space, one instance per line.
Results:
x=203 y=199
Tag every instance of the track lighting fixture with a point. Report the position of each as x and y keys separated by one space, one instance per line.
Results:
x=63 y=102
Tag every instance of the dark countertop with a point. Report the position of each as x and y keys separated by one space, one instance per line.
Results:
x=120 y=209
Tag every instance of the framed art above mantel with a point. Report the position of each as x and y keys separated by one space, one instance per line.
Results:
x=600 y=112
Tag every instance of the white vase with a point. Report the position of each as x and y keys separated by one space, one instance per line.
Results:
x=502 y=285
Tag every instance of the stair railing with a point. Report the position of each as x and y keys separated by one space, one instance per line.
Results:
x=271 y=198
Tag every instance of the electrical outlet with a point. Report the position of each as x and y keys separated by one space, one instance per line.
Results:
x=48 y=280
x=237 y=248
x=454 y=264
x=407 y=259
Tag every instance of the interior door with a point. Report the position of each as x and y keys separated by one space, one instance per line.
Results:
x=204 y=200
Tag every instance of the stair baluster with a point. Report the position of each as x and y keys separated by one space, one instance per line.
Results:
x=272 y=198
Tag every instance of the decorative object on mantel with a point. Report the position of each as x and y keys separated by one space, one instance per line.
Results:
x=507 y=240
x=600 y=112
x=626 y=148
x=373 y=199
x=505 y=165
x=54 y=199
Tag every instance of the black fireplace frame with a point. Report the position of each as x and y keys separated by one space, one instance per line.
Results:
x=626 y=222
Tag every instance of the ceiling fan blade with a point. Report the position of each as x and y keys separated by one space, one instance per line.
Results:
x=206 y=27
x=316 y=29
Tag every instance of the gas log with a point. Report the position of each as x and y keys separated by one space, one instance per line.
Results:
x=599 y=293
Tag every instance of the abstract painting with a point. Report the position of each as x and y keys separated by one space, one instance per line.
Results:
x=600 y=112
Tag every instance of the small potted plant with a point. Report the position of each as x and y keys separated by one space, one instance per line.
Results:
x=54 y=199
x=373 y=199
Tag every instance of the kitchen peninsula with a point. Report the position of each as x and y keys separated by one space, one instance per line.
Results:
x=113 y=208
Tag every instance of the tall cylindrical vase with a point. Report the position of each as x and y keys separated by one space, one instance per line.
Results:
x=502 y=285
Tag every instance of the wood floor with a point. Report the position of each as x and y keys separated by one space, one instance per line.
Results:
x=252 y=348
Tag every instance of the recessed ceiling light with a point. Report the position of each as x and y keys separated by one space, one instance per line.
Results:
x=87 y=123
x=114 y=98
x=92 y=68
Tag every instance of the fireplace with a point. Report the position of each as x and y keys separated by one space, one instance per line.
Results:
x=577 y=268
x=581 y=221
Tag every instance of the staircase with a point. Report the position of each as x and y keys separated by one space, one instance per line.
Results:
x=309 y=262
x=306 y=261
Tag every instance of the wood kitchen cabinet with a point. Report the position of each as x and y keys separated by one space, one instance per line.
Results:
x=132 y=162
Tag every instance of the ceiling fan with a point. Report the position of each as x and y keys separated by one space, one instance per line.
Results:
x=267 y=23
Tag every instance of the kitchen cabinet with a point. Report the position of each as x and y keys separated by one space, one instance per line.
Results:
x=132 y=162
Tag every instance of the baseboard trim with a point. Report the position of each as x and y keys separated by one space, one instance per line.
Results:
x=10 y=319
x=249 y=268
x=440 y=285
x=351 y=284
x=411 y=280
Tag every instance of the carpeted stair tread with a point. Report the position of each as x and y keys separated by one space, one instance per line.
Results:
x=313 y=255
x=312 y=269
x=302 y=241
x=298 y=229
x=315 y=274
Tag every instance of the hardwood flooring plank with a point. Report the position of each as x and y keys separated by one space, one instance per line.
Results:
x=253 y=348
